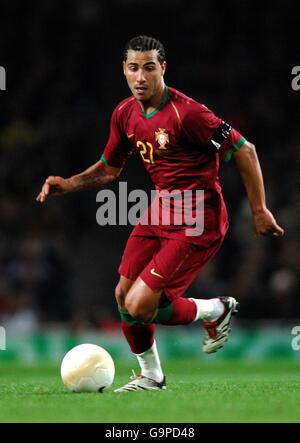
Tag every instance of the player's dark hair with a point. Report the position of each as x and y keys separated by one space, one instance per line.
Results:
x=145 y=43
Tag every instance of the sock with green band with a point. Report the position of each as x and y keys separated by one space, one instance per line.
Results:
x=181 y=311
x=127 y=318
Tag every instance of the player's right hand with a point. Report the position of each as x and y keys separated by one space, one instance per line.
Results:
x=265 y=224
x=53 y=186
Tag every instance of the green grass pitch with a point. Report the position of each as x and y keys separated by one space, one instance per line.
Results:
x=197 y=392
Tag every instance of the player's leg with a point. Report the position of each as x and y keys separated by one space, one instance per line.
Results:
x=172 y=270
x=147 y=305
x=215 y=314
x=140 y=336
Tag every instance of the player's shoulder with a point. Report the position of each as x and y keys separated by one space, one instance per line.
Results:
x=185 y=104
x=125 y=105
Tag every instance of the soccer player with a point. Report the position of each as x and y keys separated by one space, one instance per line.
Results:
x=181 y=143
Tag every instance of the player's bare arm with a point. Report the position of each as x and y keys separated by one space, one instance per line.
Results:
x=250 y=170
x=95 y=177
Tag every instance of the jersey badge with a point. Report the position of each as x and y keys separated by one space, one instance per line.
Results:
x=162 y=137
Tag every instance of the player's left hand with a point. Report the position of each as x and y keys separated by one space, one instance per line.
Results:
x=265 y=224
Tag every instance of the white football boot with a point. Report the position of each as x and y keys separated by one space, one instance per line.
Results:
x=217 y=331
x=141 y=383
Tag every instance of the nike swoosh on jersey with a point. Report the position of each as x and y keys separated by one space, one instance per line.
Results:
x=155 y=273
x=130 y=135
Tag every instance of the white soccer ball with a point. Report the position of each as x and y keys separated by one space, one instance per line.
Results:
x=87 y=368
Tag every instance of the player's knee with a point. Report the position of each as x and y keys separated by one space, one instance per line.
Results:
x=137 y=309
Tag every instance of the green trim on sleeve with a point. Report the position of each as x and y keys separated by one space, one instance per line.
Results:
x=235 y=148
x=103 y=159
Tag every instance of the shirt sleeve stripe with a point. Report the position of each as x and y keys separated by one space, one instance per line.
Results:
x=235 y=148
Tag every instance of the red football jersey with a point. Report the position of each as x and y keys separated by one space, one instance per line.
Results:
x=181 y=143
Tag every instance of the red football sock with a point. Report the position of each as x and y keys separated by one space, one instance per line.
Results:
x=181 y=312
x=140 y=337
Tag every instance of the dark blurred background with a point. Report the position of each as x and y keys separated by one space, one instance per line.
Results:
x=64 y=78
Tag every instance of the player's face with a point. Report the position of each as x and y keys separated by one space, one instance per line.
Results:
x=144 y=74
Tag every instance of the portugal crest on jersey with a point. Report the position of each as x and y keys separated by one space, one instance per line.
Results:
x=162 y=137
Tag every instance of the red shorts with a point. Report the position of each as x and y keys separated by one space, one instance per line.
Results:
x=163 y=263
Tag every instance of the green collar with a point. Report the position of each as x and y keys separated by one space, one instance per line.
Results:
x=162 y=103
